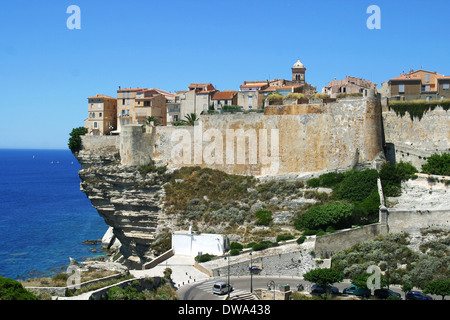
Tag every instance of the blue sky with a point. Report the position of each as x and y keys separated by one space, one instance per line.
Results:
x=47 y=70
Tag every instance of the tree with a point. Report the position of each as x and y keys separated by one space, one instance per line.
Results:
x=75 y=139
x=324 y=277
x=191 y=118
x=438 y=287
x=150 y=119
x=13 y=290
x=406 y=287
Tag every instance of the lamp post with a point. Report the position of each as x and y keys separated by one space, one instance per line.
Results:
x=251 y=272
x=228 y=281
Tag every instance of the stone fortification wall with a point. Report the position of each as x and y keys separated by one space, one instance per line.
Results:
x=414 y=140
x=287 y=139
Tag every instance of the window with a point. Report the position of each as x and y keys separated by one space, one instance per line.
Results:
x=427 y=78
x=428 y=98
x=100 y=114
x=95 y=125
x=250 y=100
x=401 y=88
x=446 y=86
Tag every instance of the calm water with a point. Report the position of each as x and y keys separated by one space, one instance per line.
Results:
x=44 y=217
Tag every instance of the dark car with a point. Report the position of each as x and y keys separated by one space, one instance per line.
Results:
x=385 y=293
x=417 y=295
x=357 y=291
x=316 y=289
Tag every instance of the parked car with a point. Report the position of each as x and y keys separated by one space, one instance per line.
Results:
x=385 y=293
x=222 y=288
x=316 y=289
x=357 y=291
x=417 y=295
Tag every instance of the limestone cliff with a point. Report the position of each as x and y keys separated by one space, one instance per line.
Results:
x=129 y=202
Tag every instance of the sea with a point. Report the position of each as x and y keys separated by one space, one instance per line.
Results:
x=44 y=217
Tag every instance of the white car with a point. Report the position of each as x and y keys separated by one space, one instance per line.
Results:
x=221 y=288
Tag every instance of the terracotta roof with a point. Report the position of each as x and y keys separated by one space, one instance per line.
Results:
x=414 y=76
x=135 y=89
x=253 y=85
x=224 y=95
x=101 y=96
x=201 y=85
x=281 y=88
x=164 y=93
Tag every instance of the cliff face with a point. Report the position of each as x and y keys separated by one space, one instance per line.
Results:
x=129 y=202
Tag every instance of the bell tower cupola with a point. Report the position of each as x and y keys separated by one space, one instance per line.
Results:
x=298 y=73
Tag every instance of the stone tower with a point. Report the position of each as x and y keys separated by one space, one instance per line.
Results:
x=298 y=73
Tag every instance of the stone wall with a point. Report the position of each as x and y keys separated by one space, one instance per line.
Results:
x=99 y=142
x=414 y=140
x=299 y=139
x=413 y=220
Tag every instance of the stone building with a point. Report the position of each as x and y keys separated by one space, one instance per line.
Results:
x=134 y=105
x=419 y=85
x=223 y=98
x=125 y=106
x=196 y=99
x=347 y=86
x=102 y=117
x=253 y=93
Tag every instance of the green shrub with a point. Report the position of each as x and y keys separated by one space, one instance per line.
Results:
x=334 y=214
x=236 y=246
x=295 y=95
x=301 y=239
x=264 y=217
x=391 y=177
x=204 y=257
x=284 y=237
x=274 y=97
x=367 y=210
x=231 y=108
x=75 y=139
x=356 y=185
x=234 y=252
x=13 y=290
x=263 y=245
x=438 y=164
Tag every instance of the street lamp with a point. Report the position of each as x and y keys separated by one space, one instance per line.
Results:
x=228 y=282
x=251 y=272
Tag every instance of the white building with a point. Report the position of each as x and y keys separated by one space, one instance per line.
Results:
x=189 y=243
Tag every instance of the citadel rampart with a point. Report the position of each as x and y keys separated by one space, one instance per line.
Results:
x=286 y=139
x=413 y=140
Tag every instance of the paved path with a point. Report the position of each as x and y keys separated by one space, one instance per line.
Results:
x=183 y=270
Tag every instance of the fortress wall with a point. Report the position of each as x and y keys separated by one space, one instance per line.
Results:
x=413 y=220
x=414 y=140
x=332 y=136
x=98 y=142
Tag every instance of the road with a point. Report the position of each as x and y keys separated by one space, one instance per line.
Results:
x=202 y=290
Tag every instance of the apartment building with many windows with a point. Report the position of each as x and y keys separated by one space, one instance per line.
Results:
x=102 y=115
x=419 y=85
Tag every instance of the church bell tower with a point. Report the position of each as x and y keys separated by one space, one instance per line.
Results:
x=298 y=73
